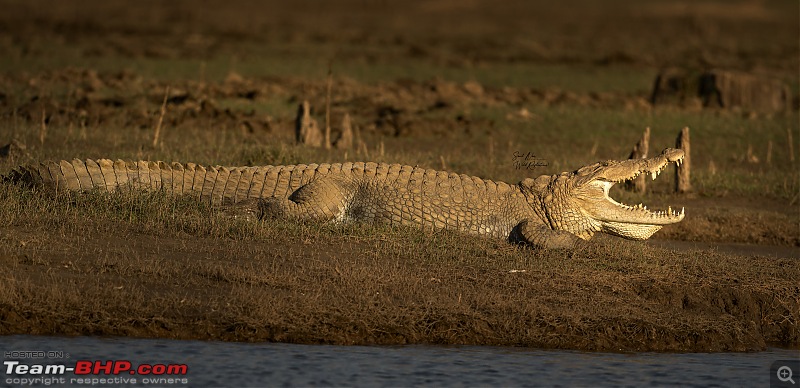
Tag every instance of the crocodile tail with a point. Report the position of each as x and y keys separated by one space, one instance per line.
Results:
x=104 y=175
x=214 y=185
x=75 y=175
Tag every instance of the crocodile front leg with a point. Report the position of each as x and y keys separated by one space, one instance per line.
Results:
x=540 y=236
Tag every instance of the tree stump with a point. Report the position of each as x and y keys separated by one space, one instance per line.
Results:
x=307 y=131
x=345 y=140
x=640 y=151
x=682 y=172
x=721 y=88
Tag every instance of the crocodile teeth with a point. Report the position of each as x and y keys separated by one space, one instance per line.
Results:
x=669 y=210
x=653 y=174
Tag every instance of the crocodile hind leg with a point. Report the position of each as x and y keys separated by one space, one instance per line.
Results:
x=321 y=200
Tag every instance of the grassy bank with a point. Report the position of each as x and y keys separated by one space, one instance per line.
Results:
x=150 y=265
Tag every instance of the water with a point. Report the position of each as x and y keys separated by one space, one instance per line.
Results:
x=267 y=364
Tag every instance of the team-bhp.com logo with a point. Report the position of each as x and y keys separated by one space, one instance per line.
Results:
x=89 y=372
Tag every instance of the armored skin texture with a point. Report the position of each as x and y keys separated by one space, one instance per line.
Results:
x=551 y=211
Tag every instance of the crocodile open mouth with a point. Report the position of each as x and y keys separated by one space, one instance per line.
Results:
x=640 y=214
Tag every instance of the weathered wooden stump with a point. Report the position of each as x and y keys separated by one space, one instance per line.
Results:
x=683 y=183
x=345 y=140
x=720 y=88
x=729 y=89
x=307 y=131
x=640 y=151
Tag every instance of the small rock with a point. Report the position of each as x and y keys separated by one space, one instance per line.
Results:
x=474 y=88
x=13 y=149
x=234 y=78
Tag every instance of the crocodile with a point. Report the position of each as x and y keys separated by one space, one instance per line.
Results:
x=550 y=211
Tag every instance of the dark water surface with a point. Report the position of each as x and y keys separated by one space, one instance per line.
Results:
x=268 y=364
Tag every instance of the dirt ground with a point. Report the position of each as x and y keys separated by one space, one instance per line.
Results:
x=456 y=85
